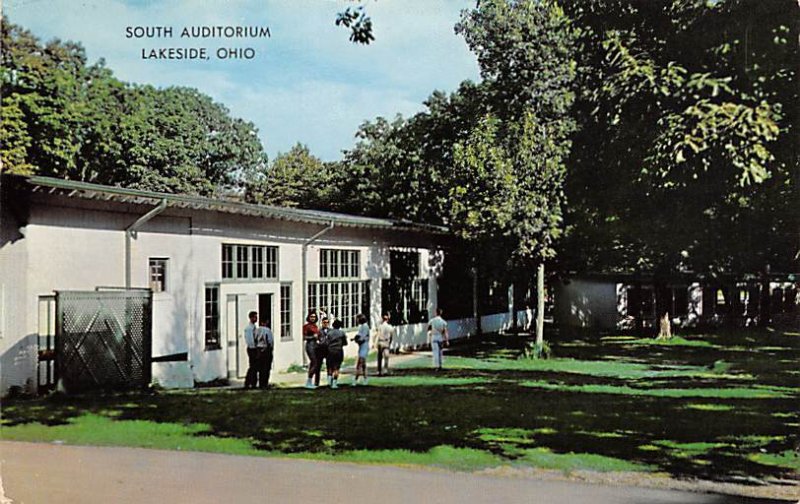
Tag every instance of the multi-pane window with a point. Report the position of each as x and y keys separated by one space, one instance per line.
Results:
x=338 y=263
x=405 y=295
x=158 y=274
x=405 y=300
x=255 y=262
x=340 y=300
x=286 y=312
x=212 y=317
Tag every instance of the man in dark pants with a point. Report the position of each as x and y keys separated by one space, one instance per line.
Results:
x=252 y=351
x=265 y=344
x=322 y=348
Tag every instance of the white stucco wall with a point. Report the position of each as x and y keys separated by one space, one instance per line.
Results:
x=80 y=245
x=18 y=338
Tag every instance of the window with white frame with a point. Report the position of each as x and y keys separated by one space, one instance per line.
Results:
x=158 y=274
x=211 y=317
x=339 y=263
x=249 y=262
x=340 y=300
x=286 y=312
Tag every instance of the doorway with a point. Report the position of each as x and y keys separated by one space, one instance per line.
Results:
x=237 y=308
x=265 y=309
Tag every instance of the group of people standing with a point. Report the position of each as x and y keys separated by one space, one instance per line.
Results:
x=326 y=344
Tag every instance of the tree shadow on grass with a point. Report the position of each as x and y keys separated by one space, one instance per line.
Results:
x=658 y=432
x=490 y=410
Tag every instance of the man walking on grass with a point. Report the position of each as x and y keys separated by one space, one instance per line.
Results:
x=437 y=337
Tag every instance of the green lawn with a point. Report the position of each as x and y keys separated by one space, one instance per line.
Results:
x=708 y=411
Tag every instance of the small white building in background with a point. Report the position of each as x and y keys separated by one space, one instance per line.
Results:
x=619 y=302
x=208 y=262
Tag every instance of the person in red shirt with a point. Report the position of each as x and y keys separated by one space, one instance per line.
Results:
x=311 y=337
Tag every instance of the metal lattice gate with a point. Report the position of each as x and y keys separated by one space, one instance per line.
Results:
x=103 y=339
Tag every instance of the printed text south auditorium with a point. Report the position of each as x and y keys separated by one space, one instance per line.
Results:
x=198 y=32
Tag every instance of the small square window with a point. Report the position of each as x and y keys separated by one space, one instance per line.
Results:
x=158 y=274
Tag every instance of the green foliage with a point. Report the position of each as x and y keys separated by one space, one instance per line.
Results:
x=708 y=393
x=100 y=430
x=484 y=189
x=687 y=108
x=720 y=367
x=535 y=351
x=789 y=459
x=701 y=119
x=296 y=368
x=489 y=159
x=674 y=341
x=67 y=119
x=359 y=23
x=292 y=179
x=525 y=50
x=402 y=168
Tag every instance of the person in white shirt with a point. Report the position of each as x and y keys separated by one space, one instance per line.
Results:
x=265 y=344
x=362 y=340
x=252 y=352
x=437 y=337
x=383 y=342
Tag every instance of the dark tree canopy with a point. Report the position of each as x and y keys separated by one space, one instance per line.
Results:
x=686 y=154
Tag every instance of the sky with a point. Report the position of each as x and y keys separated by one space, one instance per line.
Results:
x=307 y=82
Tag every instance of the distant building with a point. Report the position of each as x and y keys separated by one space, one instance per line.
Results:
x=620 y=302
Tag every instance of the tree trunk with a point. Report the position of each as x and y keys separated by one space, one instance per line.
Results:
x=475 y=310
x=540 y=305
x=664 y=327
x=514 y=322
x=765 y=301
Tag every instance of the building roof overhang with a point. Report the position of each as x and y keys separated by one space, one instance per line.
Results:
x=90 y=191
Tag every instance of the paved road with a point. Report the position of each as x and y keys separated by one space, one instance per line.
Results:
x=34 y=473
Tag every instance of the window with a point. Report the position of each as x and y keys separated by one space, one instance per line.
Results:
x=405 y=300
x=336 y=263
x=342 y=300
x=212 y=317
x=254 y=262
x=158 y=274
x=405 y=295
x=286 y=312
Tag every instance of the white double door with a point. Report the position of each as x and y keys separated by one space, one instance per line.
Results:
x=237 y=308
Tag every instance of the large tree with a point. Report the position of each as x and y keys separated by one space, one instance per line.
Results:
x=525 y=50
